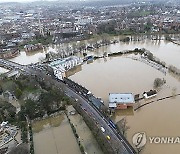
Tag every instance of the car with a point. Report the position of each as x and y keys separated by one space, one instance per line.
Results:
x=102 y=129
x=108 y=137
x=76 y=99
x=84 y=109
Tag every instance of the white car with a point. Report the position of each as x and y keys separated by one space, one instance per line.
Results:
x=102 y=129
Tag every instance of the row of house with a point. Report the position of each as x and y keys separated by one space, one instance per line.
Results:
x=26 y=24
x=9 y=53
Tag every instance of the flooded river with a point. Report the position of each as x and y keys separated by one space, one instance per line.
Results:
x=28 y=58
x=121 y=75
x=166 y=51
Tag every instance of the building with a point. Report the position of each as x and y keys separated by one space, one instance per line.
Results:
x=33 y=47
x=9 y=53
x=150 y=94
x=121 y=100
x=60 y=66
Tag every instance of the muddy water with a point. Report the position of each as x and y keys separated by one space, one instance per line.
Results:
x=116 y=74
x=28 y=58
x=124 y=75
x=166 y=51
x=86 y=137
x=55 y=140
x=120 y=74
x=3 y=70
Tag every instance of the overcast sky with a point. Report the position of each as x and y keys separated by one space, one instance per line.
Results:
x=15 y=0
x=21 y=0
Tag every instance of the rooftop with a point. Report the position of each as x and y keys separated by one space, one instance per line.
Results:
x=121 y=98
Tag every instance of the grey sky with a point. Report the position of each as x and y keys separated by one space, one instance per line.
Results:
x=15 y=0
x=22 y=0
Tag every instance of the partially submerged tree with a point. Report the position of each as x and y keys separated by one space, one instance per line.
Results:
x=174 y=92
x=159 y=82
x=123 y=126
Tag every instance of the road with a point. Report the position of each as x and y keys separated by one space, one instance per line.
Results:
x=117 y=141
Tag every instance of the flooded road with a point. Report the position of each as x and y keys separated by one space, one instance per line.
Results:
x=121 y=75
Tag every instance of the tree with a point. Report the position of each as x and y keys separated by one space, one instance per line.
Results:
x=18 y=93
x=150 y=56
x=123 y=126
x=84 y=54
x=108 y=27
x=30 y=107
x=21 y=149
x=105 y=38
x=158 y=82
x=126 y=39
x=174 y=92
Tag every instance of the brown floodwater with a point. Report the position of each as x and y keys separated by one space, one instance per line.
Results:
x=121 y=75
x=166 y=51
x=55 y=140
x=28 y=58
x=3 y=70
x=85 y=136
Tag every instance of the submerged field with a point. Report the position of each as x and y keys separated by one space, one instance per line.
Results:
x=54 y=135
x=124 y=75
x=119 y=74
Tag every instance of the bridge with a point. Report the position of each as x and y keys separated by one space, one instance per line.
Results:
x=86 y=101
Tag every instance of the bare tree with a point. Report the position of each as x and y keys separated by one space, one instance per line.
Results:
x=123 y=126
x=174 y=92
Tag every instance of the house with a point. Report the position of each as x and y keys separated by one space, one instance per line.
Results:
x=33 y=47
x=4 y=123
x=121 y=100
x=9 y=53
x=150 y=94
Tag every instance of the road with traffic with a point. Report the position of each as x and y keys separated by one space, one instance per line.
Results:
x=117 y=141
